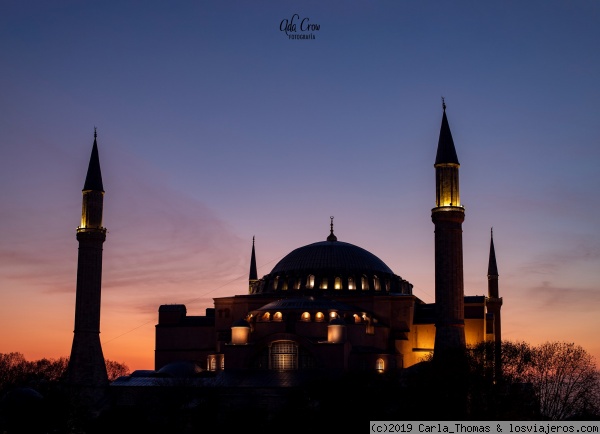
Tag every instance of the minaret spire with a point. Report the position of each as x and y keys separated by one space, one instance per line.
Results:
x=448 y=216
x=93 y=179
x=253 y=276
x=86 y=372
x=492 y=267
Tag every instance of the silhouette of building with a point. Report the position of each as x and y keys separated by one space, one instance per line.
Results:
x=86 y=373
x=332 y=306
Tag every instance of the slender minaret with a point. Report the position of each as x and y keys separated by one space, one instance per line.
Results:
x=253 y=277
x=86 y=373
x=494 y=303
x=447 y=217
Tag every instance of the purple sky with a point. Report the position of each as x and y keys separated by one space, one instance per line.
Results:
x=214 y=126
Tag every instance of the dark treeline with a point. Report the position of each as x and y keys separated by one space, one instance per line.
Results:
x=32 y=399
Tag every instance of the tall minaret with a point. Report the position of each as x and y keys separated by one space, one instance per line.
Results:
x=447 y=217
x=494 y=304
x=86 y=373
x=253 y=277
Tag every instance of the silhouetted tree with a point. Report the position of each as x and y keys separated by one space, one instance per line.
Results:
x=565 y=379
x=562 y=377
x=116 y=369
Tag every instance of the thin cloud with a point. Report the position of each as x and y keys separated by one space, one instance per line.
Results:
x=552 y=262
x=548 y=296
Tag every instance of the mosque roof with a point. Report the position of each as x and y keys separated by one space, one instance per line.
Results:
x=330 y=255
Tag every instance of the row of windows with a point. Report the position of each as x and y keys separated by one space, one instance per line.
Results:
x=337 y=283
x=307 y=317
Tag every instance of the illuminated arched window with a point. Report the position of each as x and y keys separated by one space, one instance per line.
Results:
x=297 y=283
x=310 y=281
x=319 y=317
x=213 y=363
x=275 y=282
x=305 y=316
x=356 y=319
x=284 y=355
x=351 y=283
x=364 y=283
x=324 y=284
x=387 y=285
x=376 y=283
x=278 y=316
x=379 y=365
x=333 y=315
x=285 y=285
x=338 y=283
x=266 y=316
x=222 y=362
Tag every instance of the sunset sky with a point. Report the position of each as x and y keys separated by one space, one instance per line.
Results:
x=214 y=126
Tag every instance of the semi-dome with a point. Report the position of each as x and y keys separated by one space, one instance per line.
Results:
x=331 y=266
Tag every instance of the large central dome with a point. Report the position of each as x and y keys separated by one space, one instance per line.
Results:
x=331 y=267
x=333 y=256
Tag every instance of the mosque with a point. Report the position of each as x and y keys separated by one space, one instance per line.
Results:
x=326 y=308
x=333 y=305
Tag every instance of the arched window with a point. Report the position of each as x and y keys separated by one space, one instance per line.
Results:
x=213 y=363
x=297 y=283
x=351 y=283
x=376 y=283
x=338 y=283
x=379 y=365
x=324 y=283
x=387 y=285
x=356 y=318
x=275 y=282
x=310 y=281
x=364 y=283
x=319 y=317
x=278 y=316
x=222 y=362
x=305 y=316
x=266 y=316
x=284 y=355
x=284 y=287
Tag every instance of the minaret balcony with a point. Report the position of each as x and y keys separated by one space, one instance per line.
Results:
x=449 y=208
x=91 y=234
x=80 y=229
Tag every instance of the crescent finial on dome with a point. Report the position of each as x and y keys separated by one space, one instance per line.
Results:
x=331 y=237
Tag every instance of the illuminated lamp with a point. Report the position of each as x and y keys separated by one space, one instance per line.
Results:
x=240 y=330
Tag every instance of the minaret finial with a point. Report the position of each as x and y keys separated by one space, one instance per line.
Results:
x=331 y=237
x=95 y=134
x=443 y=104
